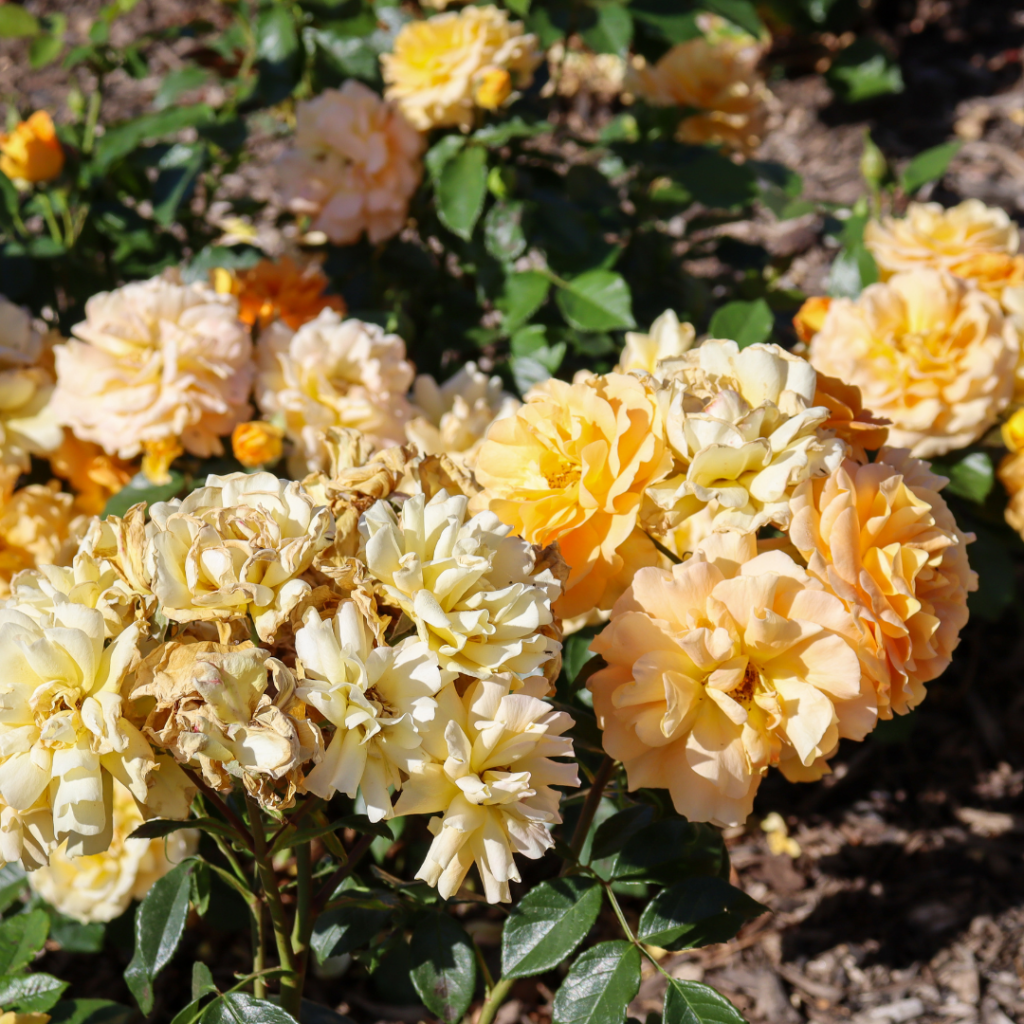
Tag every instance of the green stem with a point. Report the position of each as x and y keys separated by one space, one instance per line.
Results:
x=92 y=118
x=241 y=832
x=303 y=927
x=291 y=983
x=332 y=883
x=498 y=995
x=51 y=220
x=593 y=801
x=259 y=947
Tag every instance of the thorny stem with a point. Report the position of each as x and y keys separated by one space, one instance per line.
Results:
x=229 y=815
x=593 y=801
x=291 y=982
x=332 y=883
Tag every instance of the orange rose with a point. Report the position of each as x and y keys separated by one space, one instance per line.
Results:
x=32 y=152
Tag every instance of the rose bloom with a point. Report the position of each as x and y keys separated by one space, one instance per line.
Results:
x=333 y=373
x=571 y=466
x=37 y=527
x=32 y=152
x=726 y=664
x=354 y=166
x=475 y=594
x=11 y=1017
x=929 y=352
x=667 y=339
x=454 y=416
x=443 y=66
x=745 y=430
x=257 y=443
x=716 y=73
x=1011 y=476
x=278 y=290
x=491 y=780
x=377 y=698
x=848 y=419
x=154 y=362
x=971 y=240
x=234 y=547
x=94 y=476
x=101 y=887
x=882 y=538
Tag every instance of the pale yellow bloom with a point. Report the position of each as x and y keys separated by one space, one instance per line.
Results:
x=32 y=152
x=572 y=466
x=153 y=362
x=779 y=840
x=333 y=373
x=440 y=64
x=744 y=430
x=63 y=734
x=354 y=166
x=257 y=443
x=101 y=887
x=719 y=668
x=10 y=1017
x=883 y=539
x=210 y=707
x=473 y=591
x=971 y=240
x=928 y=352
x=278 y=290
x=715 y=73
x=454 y=416
x=491 y=780
x=37 y=527
x=377 y=698
x=667 y=339
x=234 y=547
x=576 y=71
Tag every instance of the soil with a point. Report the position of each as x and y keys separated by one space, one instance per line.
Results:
x=905 y=898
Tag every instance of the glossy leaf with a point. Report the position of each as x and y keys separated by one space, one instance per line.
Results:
x=30 y=993
x=668 y=851
x=928 y=166
x=461 y=187
x=972 y=476
x=140 y=489
x=278 y=53
x=691 y=1002
x=21 y=937
x=599 y=986
x=503 y=231
x=696 y=912
x=739 y=12
x=746 y=323
x=524 y=294
x=598 y=300
x=612 y=32
x=443 y=966
x=120 y=140
x=13 y=881
x=548 y=924
x=159 y=925
x=346 y=928
x=242 y=1008
x=180 y=168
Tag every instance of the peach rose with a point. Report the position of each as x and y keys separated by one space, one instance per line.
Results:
x=928 y=352
x=725 y=665
x=571 y=466
x=882 y=538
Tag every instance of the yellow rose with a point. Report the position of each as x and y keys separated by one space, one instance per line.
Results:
x=257 y=443
x=1013 y=432
x=442 y=66
x=32 y=152
x=571 y=466
x=928 y=352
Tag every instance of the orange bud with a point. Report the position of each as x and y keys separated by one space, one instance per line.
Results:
x=811 y=316
x=256 y=443
x=32 y=151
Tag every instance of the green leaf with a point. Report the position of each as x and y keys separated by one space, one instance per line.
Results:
x=157 y=828
x=21 y=937
x=576 y=653
x=503 y=231
x=674 y=26
x=177 y=82
x=613 y=833
x=440 y=153
x=461 y=187
x=746 y=323
x=524 y=294
x=739 y=12
x=30 y=993
x=528 y=372
x=202 y=981
x=716 y=181
x=159 y=925
x=598 y=300
x=696 y=912
x=443 y=966
x=990 y=558
x=928 y=166
x=852 y=270
x=90 y=1011
x=667 y=851
x=690 y=1002
x=16 y=22
x=548 y=924
x=344 y=929
x=13 y=881
x=75 y=937
x=613 y=31
x=278 y=57
x=119 y=141
x=44 y=49
x=863 y=71
x=971 y=476
x=501 y=134
x=599 y=986
x=180 y=167
x=242 y=1008
x=140 y=489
